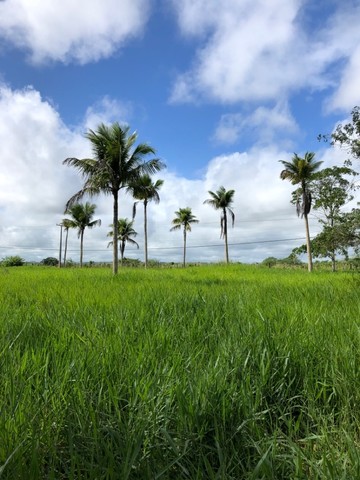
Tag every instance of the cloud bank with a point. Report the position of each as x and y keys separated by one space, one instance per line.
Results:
x=260 y=51
x=78 y=31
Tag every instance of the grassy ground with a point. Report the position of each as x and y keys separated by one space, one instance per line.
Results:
x=209 y=372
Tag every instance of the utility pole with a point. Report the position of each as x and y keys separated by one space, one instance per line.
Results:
x=60 y=248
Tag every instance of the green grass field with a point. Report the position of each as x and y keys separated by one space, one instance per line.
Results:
x=208 y=372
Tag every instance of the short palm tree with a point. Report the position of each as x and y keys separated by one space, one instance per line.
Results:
x=125 y=232
x=81 y=218
x=299 y=172
x=222 y=200
x=145 y=190
x=184 y=219
x=116 y=163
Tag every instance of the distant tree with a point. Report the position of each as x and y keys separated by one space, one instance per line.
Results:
x=300 y=171
x=145 y=190
x=292 y=259
x=332 y=188
x=339 y=238
x=13 y=261
x=50 y=261
x=117 y=162
x=125 y=232
x=184 y=219
x=81 y=218
x=270 y=261
x=222 y=200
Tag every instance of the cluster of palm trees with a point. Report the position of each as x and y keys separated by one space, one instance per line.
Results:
x=118 y=163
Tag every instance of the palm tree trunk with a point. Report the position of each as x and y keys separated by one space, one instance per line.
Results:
x=115 y=232
x=61 y=230
x=66 y=242
x=81 y=247
x=226 y=239
x=184 y=255
x=122 y=249
x=308 y=245
x=145 y=233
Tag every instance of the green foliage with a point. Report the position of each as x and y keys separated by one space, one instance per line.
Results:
x=210 y=372
x=292 y=259
x=332 y=188
x=348 y=135
x=270 y=261
x=12 y=261
x=50 y=261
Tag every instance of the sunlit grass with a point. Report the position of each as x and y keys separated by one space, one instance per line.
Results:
x=206 y=372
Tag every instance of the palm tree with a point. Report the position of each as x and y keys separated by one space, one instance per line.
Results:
x=81 y=218
x=222 y=200
x=299 y=172
x=67 y=224
x=117 y=162
x=184 y=218
x=145 y=190
x=124 y=232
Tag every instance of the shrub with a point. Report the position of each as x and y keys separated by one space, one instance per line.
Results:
x=50 y=261
x=13 y=261
x=270 y=261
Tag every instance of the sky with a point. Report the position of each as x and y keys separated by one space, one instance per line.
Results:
x=222 y=89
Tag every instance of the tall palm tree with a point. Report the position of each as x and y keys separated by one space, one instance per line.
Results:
x=145 y=190
x=184 y=218
x=66 y=223
x=81 y=218
x=222 y=200
x=124 y=232
x=116 y=163
x=299 y=172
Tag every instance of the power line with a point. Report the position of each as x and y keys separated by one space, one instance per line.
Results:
x=162 y=248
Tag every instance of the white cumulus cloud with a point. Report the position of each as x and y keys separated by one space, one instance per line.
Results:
x=81 y=31
x=261 y=50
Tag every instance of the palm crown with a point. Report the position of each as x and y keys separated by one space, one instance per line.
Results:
x=184 y=218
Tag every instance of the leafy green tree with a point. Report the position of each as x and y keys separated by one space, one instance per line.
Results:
x=222 y=200
x=117 y=162
x=338 y=238
x=300 y=171
x=81 y=218
x=270 y=261
x=125 y=232
x=332 y=188
x=13 y=261
x=145 y=190
x=50 y=261
x=184 y=219
x=348 y=135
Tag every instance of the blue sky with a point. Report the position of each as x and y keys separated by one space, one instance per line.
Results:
x=222 y=89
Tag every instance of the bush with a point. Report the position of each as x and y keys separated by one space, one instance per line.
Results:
x=270 y=261
x=14 y=261
x=50 y=261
